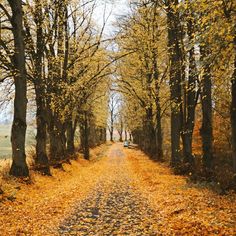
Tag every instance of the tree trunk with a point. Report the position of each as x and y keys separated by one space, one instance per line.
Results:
x=206 y=129
x=149 y=134
x=159 y=138
x=233 y=110
x=57 y=141
x=121 y=131
x=190 y=104
x=101 y=136
x=86 y=136
x=41 y=159
x=120 y=139
x=229 y=13
x=70 y=137
x=111 y=134
x=104 y=135
x=19 y=166
x=130 y=137
x=126 y=135
x=175 y=81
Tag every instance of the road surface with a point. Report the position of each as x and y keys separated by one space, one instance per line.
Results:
x=114 y=207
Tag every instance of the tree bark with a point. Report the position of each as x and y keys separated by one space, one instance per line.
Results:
x=19 y=166
x=175 y=81
x=206 y=99
x=86 y=136
x=233 y=110
x=149 y=145
x=111 y=134
x=70 y=137
x=158 y=134
x=229 y=14
x=120 y=131
x=56 y=66
x=41 y=160
x=191 y=101
x=57 y=141
x=159 y=137
x=130 y=137
x=104 y=132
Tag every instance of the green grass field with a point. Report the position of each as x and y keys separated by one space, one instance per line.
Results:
x=5 y=140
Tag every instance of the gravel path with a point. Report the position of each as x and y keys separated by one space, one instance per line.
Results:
x=113 y=207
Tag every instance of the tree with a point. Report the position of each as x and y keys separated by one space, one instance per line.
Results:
x=175 y=55
x=206 y=98
x=233 y=109
x=112 y=107
x=143 y=79
x=41 y=159
x=189 y=84
x=120 y=121
x=229 y=12
x=19 y=166
x=67 y=59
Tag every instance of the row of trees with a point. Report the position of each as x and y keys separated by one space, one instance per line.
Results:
x=54 y=49
x=117 y=117
x=181 y=65
x=176 y=62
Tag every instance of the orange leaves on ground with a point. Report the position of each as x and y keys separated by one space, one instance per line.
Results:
x=39 y=207
x=182 y=209
x=123 y=188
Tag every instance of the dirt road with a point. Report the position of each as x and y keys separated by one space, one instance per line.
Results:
x=114 y=207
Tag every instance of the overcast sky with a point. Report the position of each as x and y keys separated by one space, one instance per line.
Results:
x=114 y=8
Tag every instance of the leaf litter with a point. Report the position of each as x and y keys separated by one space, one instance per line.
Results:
x=121 y=193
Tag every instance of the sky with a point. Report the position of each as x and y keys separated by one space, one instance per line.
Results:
x=114 y=8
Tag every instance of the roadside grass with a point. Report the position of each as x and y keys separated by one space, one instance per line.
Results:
x=5 y=144
x=5 y=140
